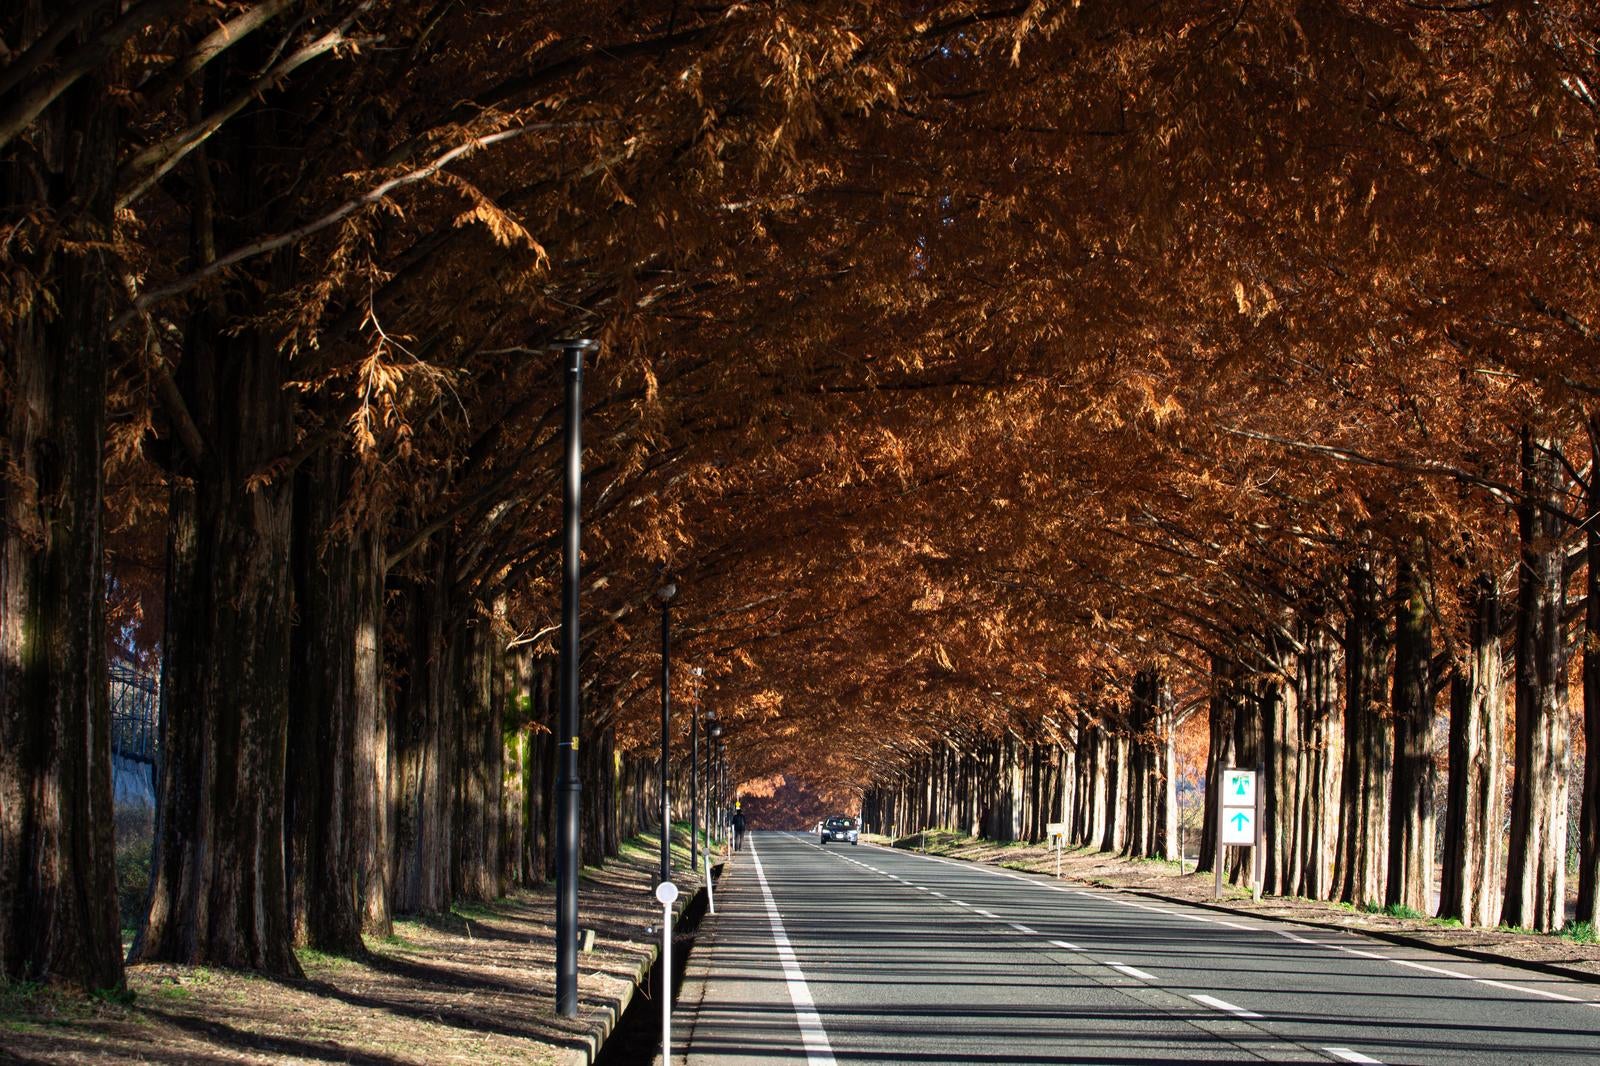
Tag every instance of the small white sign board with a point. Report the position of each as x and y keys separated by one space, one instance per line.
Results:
x=1239 y=788
x=1239 y=826
x=1056 y=830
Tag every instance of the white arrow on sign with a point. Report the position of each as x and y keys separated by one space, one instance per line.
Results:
x=1238 y=826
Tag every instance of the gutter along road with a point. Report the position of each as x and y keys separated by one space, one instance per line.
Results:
x=865 y=954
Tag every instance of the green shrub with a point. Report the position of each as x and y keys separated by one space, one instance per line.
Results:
x=135 y=833
x=1580 y=932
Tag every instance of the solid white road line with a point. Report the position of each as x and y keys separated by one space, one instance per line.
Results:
x=1132 y=971
x=1218 y=1004
x=1110 y=898
x=818 y=1051
x=1350 y=1056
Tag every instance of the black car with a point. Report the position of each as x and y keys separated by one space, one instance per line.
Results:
x=839 y=828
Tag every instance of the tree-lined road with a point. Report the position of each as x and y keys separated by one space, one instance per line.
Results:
x=871 y=955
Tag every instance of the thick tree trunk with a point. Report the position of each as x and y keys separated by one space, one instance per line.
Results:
x=372 y=801
x=1368 y=755
x=1589 y=820
x=1536 y=867
x=1280 y=723
x=1475 y=801
x=321 y=836
x=1116 y=779
x=1318 y=685
x=218 y=886
x=477 y=792
x=1411 y=815
x=58 y=910
x=425 y=740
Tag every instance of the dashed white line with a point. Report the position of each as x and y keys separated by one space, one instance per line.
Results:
x=1223 y=1005
x=1350 y=1056
x=818 y=1051
x=986 y=914
x=1132 y=971
x=1065 y=946
x=1023 y=929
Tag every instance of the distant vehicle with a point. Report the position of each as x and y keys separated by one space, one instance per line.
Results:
x=839 y=828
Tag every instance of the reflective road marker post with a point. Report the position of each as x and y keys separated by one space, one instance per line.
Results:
x=667 y=893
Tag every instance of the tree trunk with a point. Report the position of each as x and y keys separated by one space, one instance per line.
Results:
x=1536 y=867
x=1411 y=815
x=478 y=770
x=1475 y=802
x=1219 y=757
x=425 y=738
x=1368 y=756
x=1317 y=680
x=218 y=887
x=320 y=837
x=1589 y=820
x=58 y=908
x=372 y=750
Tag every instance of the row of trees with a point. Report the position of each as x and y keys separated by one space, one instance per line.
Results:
x=995 y=381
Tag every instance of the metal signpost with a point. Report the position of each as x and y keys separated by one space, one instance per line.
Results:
x=1239 y=823
x=1058 y=837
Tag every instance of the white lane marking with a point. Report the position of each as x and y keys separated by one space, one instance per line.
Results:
x=1440 y=970
x=961 y=903
x=1132 y=971
x=986 y=914
x=1024 y=930
x=1065 y=945
x=1218 y=1004
x=1263 y=929
x=818 y=1051
x=1350 y=1056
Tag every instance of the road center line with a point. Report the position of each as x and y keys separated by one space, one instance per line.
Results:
x=1132 y=971
x=1223 y=1005
x=1066 y=946
x=1350 y=1056
x=818 y=1051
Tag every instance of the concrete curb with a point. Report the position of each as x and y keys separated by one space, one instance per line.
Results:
x=604 y=1019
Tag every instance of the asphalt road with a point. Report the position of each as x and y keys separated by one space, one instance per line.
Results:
x=865 y=954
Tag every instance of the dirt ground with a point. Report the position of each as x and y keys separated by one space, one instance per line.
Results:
x=476 y=985
x=1581 y=960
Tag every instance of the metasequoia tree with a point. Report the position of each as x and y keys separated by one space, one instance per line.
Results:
x=993 y=383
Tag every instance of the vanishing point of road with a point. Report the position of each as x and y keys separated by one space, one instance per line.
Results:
x=864 y=954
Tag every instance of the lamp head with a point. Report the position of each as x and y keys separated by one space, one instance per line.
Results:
x=666 y=592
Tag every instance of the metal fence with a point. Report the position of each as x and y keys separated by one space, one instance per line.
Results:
x=135 y=733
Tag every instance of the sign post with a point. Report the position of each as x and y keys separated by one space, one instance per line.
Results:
x=1239 y=823
x=1058 y=836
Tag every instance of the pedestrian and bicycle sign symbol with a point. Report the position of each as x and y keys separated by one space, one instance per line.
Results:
x=1239 y=807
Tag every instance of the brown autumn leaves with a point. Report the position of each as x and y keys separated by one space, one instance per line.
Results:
x=959 y=360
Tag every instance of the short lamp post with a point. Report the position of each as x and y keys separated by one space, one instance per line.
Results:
x=665 y=594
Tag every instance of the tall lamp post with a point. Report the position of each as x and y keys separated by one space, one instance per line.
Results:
x=694 y=775
x=713 y=731
x=665 y=594
x=568 y=784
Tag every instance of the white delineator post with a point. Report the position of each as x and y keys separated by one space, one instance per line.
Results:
x=667 y=893
x=711 y=898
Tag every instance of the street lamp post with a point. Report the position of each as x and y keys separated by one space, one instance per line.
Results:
x=694 y=775
x=713 y=764
x=665 y=594
x=568 y=784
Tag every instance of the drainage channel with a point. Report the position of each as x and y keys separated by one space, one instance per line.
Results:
x=637 y=1037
